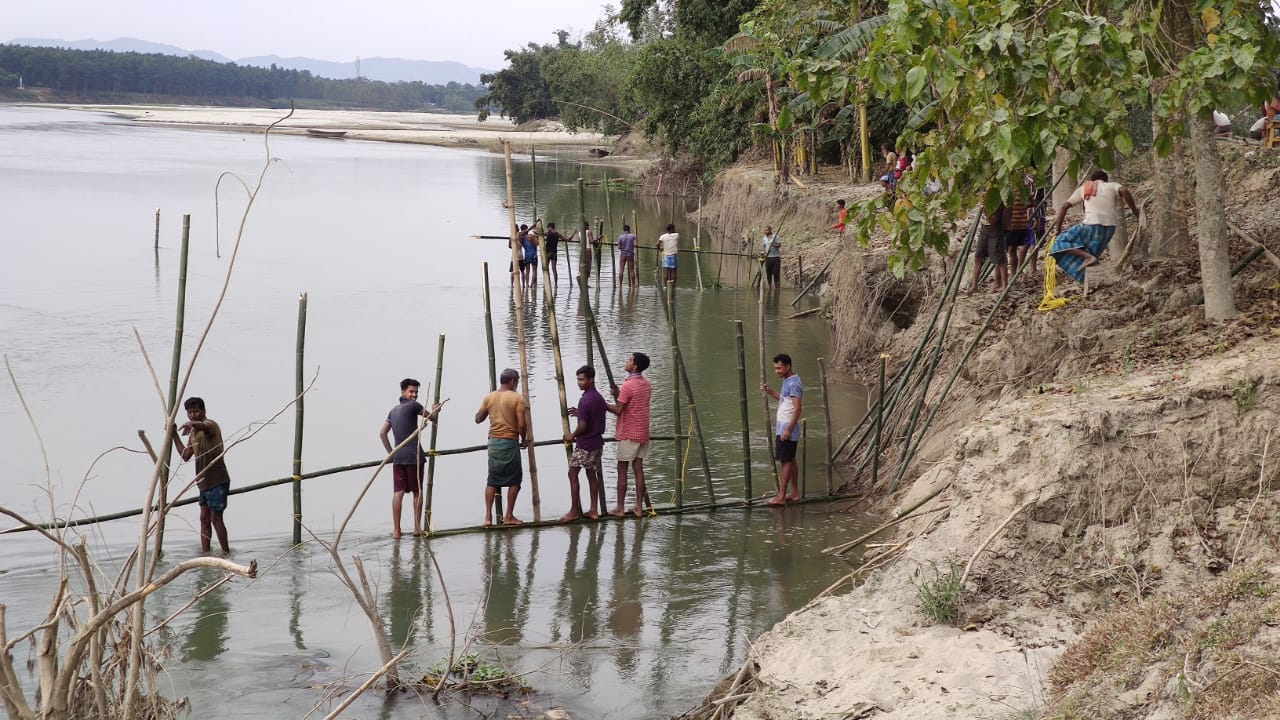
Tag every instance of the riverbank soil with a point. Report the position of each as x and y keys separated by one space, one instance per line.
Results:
x=1100 y=536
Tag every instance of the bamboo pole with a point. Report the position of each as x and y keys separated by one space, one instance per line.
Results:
x=533 y=177
x=814 y=280
x=427 y=518
x=584 y=256
x=875 y=450
x=608 y=211
x=669 y=305
x=175 y=369
x=156 y=246
x=768 y=428
x=804 y=458
x=669 y=311
x=555 y=351
x=826 y=418
x=488 y=329
x=697 y=245
x=524 y=354
x=742 y=406
x=298 y=385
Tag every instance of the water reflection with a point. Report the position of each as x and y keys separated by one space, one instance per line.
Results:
x=505 y=614
x=403 y=605
x=626 y=612
x=206 y=637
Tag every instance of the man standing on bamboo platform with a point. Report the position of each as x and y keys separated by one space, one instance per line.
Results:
x=632 y=431
x=588 y=442
x=787 y=428
x=772 y=254
x=211 y=471
x=627 y=253
x=508 y=432
x=670 y=244
x=406 y=455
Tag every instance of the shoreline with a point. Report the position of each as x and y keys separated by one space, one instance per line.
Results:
x=436 y=129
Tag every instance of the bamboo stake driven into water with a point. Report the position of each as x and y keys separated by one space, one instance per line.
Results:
x=555 y=350
x=826 y=418
x=298 y=385
x=742 y=407
x=764 y=397
x=668 y=307
x=488 y=329
x=428 y=519
x=520 y=336
x=175 y=369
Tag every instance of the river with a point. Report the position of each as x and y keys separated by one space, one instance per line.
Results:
x=633 y=619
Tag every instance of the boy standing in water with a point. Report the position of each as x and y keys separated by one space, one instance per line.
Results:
x=670 y=244
x=211 y=471
x=632 y=431
x=627 y=253
x=787 y=427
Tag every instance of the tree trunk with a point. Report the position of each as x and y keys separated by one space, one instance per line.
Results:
x=1068 y=185
x=1211 y=224
x=1168 y=223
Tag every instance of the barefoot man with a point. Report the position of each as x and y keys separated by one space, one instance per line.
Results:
x=211 y=472
x=787 y=427
x=1081 y=246
x=406 y=462
x=588 y=441
x=632 y=431
x=508 y=432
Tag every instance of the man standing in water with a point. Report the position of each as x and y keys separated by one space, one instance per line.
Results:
x=211 y=471
x=670 y=244
x=588 y=441
x=632 y=431
x=406 y=457
x=772 y=257
x=508 y=432
x=553 y=239
x=627 y=253
x=787 y=427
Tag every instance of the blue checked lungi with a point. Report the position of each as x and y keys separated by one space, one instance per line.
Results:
x=1093 y=239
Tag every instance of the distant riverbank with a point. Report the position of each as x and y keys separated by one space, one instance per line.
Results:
x=443 y=129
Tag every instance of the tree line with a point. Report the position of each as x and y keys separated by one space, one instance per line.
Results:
x=88 y=73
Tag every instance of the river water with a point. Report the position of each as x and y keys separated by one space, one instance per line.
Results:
x=633 y=619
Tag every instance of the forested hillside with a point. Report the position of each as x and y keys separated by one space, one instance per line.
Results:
x=93 y=74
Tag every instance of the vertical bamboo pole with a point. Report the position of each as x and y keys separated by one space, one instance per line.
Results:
x=156 y=246
x=488 y=331
x=431 y=455
x=695 y=420
x=584 y=248
x=533 y=177
x=675 y=387
x=742 y=406
x=555 y=350
x=875 y=450
x=697 y=245
x=764 y=379
x=826 y=418
x=297 y=418
x=175 y=369
x=804 y=458
x=608 y=211
x=599 y=250
x=524 y=355
x=635 y=229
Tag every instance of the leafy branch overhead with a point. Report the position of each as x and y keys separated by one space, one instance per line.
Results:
x=996 y=87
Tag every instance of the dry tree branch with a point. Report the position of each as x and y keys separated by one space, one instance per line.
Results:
x=453 y=630
x=1262 y=473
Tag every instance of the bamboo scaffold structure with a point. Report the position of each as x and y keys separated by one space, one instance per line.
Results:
x=520 y=336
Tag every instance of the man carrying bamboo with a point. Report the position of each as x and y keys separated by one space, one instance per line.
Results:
x=632 y=408
x=587 y=441
x=787 y=427
x=406 y=455
x=508 y=432
x=211 y=471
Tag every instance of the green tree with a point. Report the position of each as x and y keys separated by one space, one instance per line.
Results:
x=520 y=91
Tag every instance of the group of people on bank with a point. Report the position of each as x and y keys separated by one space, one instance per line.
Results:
x=530 y=237
x=507 y=413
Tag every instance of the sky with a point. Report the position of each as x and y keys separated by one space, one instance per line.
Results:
x=473 y=32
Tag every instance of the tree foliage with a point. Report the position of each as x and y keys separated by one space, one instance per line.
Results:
x=91 y=73
x=519 y=91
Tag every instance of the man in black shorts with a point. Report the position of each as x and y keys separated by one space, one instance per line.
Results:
x=787 y=427
x=406 y=457
x=553 y=239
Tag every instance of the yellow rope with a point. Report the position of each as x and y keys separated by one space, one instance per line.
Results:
x=1051 y=301
x=684 y=466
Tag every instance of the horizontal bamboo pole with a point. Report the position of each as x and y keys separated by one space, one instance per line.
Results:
x=638 y=246
x=281 y=481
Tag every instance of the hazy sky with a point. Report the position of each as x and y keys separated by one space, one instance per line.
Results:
x=474 y=32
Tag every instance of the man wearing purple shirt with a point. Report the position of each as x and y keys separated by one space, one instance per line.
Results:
x=588 y=441
x=627 y=251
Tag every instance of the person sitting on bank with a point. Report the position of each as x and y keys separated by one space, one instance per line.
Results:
x=1082 y=245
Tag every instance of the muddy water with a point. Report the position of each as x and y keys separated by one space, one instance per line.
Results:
x=616 y=619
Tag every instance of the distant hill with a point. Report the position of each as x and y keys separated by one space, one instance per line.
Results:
x=434 y=72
